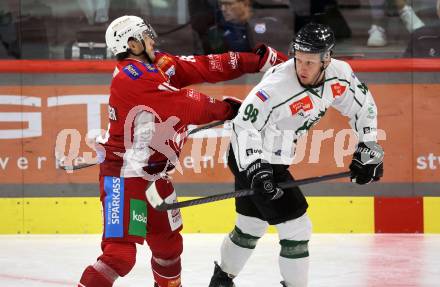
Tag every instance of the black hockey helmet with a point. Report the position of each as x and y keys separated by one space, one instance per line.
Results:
x=313 y=38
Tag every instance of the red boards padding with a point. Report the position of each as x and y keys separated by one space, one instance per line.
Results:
x=398 y=214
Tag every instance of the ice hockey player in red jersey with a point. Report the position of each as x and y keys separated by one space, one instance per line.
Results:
x=149 y=110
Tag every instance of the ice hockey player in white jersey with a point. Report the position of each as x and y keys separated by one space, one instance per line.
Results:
x=289 y=100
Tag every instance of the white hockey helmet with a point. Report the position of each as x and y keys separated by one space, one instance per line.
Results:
x=122 y=29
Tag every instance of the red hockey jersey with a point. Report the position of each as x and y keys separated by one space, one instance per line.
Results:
x=149 y=111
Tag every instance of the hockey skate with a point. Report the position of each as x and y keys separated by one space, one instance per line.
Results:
x=220 y=278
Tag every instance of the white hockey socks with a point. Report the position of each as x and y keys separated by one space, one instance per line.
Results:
x=236 y=249
x=295 y=272
x=294 y=255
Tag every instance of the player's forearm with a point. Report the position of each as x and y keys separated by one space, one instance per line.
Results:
x=365 y=120
x=215 y=68
x=207 y=109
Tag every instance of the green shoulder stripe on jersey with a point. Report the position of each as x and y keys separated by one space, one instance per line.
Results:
x=267 y=119
x=317 y=93
x=354 y=97
x=357 y=101
x=355 y=122
x=344 y=80
x=291 y=98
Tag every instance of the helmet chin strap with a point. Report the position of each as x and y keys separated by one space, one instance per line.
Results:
x=317 y=81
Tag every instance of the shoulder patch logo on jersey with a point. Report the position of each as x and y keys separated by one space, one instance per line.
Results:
x=165 y=63
x=233 y=60
x=304 y=105
x=215 y=63
x=193 y=95
x=151 y=68
x=112 y=113
x=338 y=89
x=262 y=95
x=368 y=130
x=171 y=71
x=132 y=71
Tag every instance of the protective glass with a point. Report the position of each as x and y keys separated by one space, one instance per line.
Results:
x=227 y=3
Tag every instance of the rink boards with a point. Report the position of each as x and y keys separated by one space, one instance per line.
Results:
x=35 y=197
x=329 y=215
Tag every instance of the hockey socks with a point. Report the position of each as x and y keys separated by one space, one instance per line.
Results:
x=92 y=278
x=117 y=260
x=166 y=272
x=294 y=262
x=295 y=272
x=236 y=249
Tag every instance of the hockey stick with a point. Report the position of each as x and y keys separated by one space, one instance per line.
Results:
x=205 y=127
x=244 y=192
x=85 y=165
x=78 y=166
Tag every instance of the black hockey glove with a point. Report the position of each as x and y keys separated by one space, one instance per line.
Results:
x=234 y=104
x=367 y=163
x=260 y=175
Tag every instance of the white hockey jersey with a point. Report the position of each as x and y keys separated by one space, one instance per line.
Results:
x=279 y=110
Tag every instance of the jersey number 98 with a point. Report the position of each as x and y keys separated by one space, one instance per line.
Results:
x=250 y=113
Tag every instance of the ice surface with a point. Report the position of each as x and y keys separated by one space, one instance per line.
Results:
x=336 y=260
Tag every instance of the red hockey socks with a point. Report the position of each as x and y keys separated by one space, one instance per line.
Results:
x=93 y=278
x=117 y=260
x=166 y=272
x=120 y=257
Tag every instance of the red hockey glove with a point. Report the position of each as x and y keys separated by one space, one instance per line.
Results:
x=269 y=57
x=234 y=105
